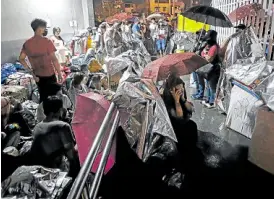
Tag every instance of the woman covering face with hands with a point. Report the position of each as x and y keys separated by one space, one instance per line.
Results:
x=175 y=98
x=180 y=112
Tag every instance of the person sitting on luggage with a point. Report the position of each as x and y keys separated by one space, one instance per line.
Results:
x=54 y=89
x=53 y=139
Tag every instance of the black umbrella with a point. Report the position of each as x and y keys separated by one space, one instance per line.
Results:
x=208 y=15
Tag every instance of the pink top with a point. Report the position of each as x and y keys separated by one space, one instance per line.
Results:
x=210 y=51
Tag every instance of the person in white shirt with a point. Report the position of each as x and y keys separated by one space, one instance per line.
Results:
x=125 y=27
x=152 y=27
x=61 y=51
x=161 y=33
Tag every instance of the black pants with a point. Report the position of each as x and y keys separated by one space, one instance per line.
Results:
x=43 y=84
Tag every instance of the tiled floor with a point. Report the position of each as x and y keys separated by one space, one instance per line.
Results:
x=210 y=120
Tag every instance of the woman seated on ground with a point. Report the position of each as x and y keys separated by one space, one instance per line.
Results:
x=180 y=112
x=53 y=140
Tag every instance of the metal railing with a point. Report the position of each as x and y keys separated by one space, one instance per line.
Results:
x=80 y=186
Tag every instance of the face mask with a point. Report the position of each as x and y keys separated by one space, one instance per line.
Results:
x=45 y=33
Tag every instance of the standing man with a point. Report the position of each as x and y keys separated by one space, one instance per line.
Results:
x=42 y=60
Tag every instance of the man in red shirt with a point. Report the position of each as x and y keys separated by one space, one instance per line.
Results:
x=40 y=52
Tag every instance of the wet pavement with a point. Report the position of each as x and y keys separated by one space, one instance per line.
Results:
x=211 y=120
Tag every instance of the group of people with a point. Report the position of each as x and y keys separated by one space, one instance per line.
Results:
x=157 y=32
x=53 y=143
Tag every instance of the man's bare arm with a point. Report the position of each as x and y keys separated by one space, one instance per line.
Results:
x=56 y=65
x=22 y=60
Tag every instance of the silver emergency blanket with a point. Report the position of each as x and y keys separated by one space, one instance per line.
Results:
x=130 y=58
x=145 y=119
x=35 y=182
x=183 y=40
x=266 y=90
x=244 y=48
x=113 y=41
x=245 y=62
x=249 y=73
x=136 y=45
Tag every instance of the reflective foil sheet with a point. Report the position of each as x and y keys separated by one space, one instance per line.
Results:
x=245 y=62
x=35 y=182
x=244 y=48
x=130 y=58
x=250 y=73
x=266 y=90
x=145 y=119
x=183 y=40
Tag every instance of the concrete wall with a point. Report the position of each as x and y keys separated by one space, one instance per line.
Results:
x=16 y=16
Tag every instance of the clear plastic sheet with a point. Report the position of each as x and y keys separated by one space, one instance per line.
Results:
x=35 y=182
x=146 y=121
x=183 y=40
x=266 y=90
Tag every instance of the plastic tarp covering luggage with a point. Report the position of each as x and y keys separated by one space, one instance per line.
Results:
x=113 y=41
x=125 y=60
x=183 y=40
x=145 y=119
x=35 y=182
x=117 y=43
x=244 y=61
x=266 y=90
x=261 y=151
x=242 y=110
x=250 y=73
x=245 y=48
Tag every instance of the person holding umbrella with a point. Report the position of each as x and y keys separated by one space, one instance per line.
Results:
x=211 y=54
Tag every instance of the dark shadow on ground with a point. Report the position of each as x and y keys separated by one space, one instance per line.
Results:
x=225 y=171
